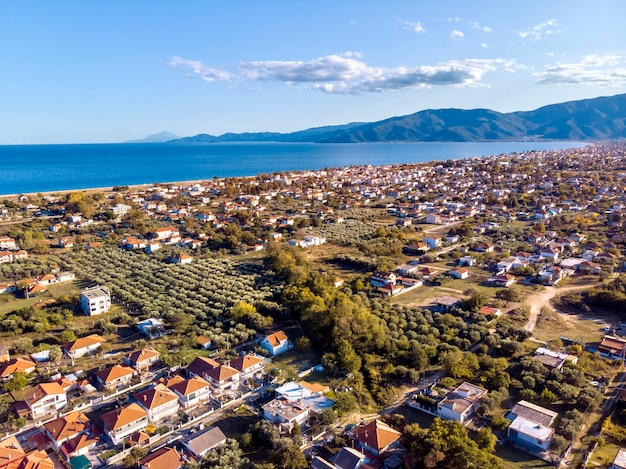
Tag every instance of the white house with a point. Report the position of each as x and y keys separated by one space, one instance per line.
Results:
x=531 y=426
x=201 y=443
x=159 y=402
x=432 y=242
x=124 y=421
x=151 y=327
x=461 y=403
x=83 y=346
x=96 y=300
x=285 y=413
x=191 y=392
x=45 y=399
x=276 y=343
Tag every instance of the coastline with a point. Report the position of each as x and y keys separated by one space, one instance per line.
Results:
x=80 y=171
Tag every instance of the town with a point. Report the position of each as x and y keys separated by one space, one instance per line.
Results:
x=402 y=316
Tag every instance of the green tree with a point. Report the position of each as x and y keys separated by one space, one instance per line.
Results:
x=227 y=456
x=289 y=456
x=18 y=381
x=486 y=440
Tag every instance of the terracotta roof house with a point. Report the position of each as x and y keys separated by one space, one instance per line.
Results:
x=143 y=359
x=201 y=443
x=181 y=258
x=123 y=422
x=204 y=342
x=376 y=437
x=83 y=346
x=115 y=376
x=612 y=347
x=14 y=365
x=223 y=377
x=159 y=402
x=191 y=392
x=201 y=365
x=45 y=399
x=80 y=445
x=164 y=458
x=276 y=343
x=248 y=364
x=65 y=428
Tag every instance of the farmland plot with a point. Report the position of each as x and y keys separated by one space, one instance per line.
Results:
x=205 y=289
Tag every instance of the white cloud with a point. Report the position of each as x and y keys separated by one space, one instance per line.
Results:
x=479 y=27
x=484 y=45
x=536 y=33
x=198 y=69
x=456 y=34
x=597 y=70
x=349 y=74
x=414 y=26
x=454 y=19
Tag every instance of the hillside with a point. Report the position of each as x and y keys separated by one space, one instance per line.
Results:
x=601 y=118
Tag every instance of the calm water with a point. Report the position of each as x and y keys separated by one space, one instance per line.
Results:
x=42 y=168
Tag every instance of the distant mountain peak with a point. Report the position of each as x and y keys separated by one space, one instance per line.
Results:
x=163 y=136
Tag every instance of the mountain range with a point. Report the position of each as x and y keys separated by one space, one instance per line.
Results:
x=596 y=119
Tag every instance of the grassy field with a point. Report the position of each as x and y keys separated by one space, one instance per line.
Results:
x=604 y=455
x=551 y=325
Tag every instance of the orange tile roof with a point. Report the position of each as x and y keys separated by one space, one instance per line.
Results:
x=79 y=442
x=188 y=386
x=155 y=397
x=11 y=452
x=144 y=354
x=69 y=426
x=245 y=362
x=37 y=460
x=83 y=342
x=114 y=373
x=201 y=365
x=222 y=373
x=276 y=338
x=123 y=416
x=377 y=435
x=164 y=458
x=42 y=390
x=14 y=365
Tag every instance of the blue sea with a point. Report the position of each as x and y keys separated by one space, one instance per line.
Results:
x=44 y=168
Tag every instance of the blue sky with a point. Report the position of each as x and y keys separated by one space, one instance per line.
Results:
x=96 y=71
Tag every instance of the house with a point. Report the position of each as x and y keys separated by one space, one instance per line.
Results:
x=490 y=311
x=484 y=247
x=79 y=446
x=200 y=366
x=531 y=426
x=223 y=377
x=407 y=269
x=460 y=273
x=248 y=365
x=285 y=413
x=620 y=460
x=504 y=280
x=45 y=399
x=84 y=345
x=379 y=279
x=144 y=359
x=461 y=404
x=151 y=327
x=181 y=258
x=612 y=347
x=124 y=421
x=552 y=359
x=132 y=242
x=159 y=402
x=96 y=300
x=65 y=277
x=376 y=437
x=306 y=395
x=8 y=368
x=199 y=444
x=115 y=376
x=152 y=247
x=467 y=261
x=432 y=242
x=166 y=232
x=204 y=342
x=276 y=343
x=164 y=458
x=63 y=429
x=428 y=272
x=349 y=458
x=446 y=302
x=191 y=392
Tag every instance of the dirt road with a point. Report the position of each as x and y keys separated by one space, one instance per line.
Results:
x=541 y=299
